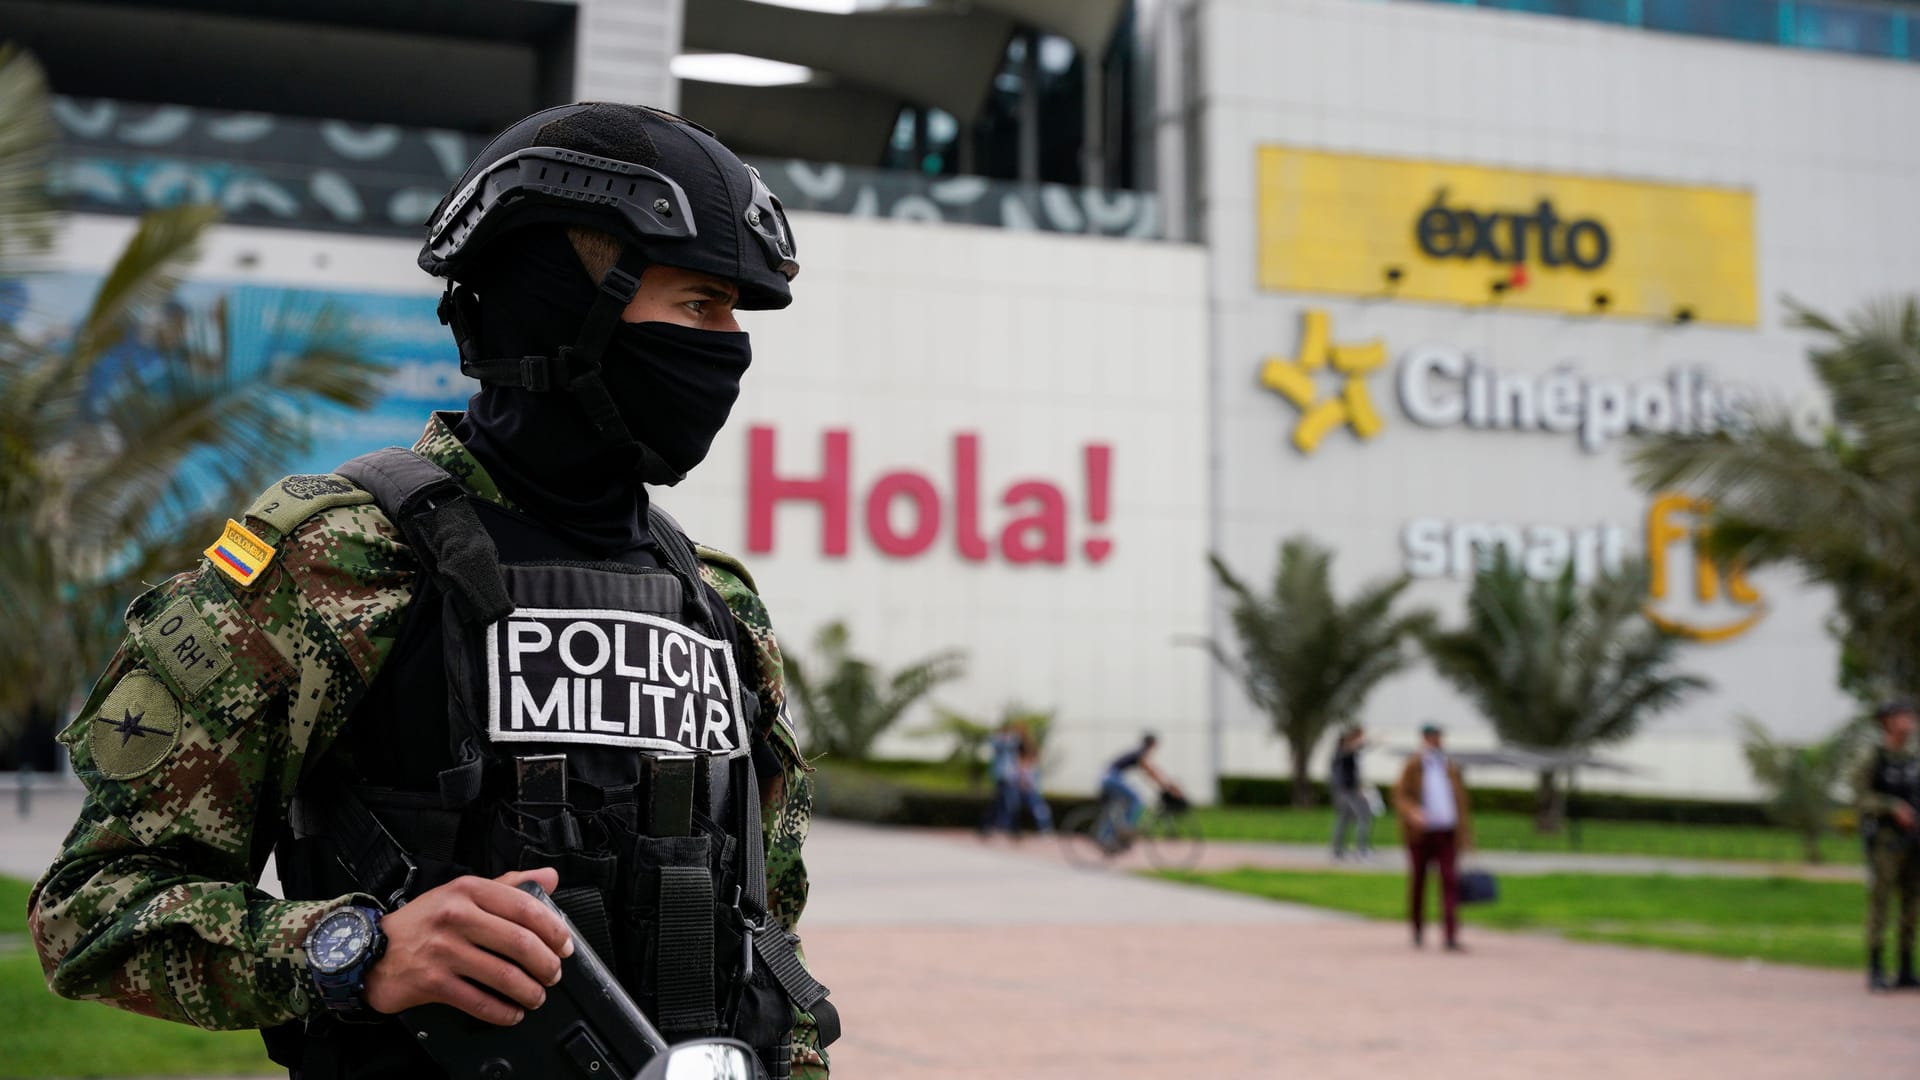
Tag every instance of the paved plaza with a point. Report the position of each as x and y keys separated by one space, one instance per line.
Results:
x=954 y=958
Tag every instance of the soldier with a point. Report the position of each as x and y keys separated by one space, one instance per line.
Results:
x=1887 y=794
x=441 y=672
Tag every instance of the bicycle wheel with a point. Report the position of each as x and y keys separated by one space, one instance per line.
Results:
x=1173 y=841
x=1079 y=831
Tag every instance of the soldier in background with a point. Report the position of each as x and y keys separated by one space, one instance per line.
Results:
x=442 y=672
x=1887 y=796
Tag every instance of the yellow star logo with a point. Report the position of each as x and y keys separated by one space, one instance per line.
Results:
x=1293 y=379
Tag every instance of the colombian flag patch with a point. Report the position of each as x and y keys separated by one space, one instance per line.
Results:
x=239 y=554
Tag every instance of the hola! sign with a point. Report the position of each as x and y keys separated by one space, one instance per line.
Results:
x=1466 y=234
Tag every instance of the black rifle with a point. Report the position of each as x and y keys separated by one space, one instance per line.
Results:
x=588 y=1029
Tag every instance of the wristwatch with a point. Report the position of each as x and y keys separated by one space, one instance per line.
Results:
x=341 y=949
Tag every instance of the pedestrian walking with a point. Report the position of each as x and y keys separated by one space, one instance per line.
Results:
x=1027 y=782
x=1351 y=807
x=1431 y=800
x=1003 y=768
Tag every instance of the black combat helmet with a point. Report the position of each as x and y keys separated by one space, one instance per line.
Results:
x=662 y=184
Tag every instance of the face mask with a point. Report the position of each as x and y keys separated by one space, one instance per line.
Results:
x=674 y=386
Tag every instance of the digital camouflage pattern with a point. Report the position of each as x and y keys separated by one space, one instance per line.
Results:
x=192 y=742
x=1893 y=854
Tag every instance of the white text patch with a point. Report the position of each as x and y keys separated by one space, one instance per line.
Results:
x=612 y=677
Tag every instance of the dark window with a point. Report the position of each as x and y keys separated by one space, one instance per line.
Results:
x=1613 y=11
x=1848 y=28
x=1742 y=20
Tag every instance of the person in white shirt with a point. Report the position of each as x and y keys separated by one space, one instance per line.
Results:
x=1431 y=800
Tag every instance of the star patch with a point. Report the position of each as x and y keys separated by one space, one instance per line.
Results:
x=135 y=728
x=1294 y=380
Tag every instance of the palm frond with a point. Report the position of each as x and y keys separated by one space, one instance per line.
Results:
x=1844 y=511
x=1307 y=658
x=148 y=270
x=26 y=140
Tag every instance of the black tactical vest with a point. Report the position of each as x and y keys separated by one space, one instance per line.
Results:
x=1897 y=775
x=544 y=709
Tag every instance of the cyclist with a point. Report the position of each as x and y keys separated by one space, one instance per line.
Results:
x=1114 y=789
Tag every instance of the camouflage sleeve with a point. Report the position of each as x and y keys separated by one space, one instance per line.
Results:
x=189 y=748
x=787 y=806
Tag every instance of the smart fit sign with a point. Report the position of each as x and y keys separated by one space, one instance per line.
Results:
x=1688 y=592
x=1465 y=234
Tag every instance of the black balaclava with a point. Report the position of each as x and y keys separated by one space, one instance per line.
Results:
x=673 y=386
x=533 y=296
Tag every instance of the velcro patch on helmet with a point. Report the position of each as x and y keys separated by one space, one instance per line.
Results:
x=135 y=727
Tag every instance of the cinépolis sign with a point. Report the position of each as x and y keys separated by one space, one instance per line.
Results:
x=1329 y=379
x=1398 y=228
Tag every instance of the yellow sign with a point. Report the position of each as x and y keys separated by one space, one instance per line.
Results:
x=1466 y=234
x=1293 y=379
x=1741 y=608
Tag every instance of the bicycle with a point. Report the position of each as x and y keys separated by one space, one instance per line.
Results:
x=1098 y=833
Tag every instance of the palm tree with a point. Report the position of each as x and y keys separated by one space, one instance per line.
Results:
x=1845 y=510
x=1308 y=660
x=111 y=477
x=1800 y=777
x=853 y=704
x=1560 y=667
x=971 y=737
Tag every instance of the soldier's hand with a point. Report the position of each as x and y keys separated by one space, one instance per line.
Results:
x=1903 y=814
x=470 y=933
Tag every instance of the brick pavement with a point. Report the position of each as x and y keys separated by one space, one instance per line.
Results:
x=951 y=958
x=1152 y=980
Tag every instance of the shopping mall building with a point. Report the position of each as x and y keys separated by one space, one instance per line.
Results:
x=1093 y=288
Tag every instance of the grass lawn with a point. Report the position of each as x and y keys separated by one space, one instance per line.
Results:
x=1514 y=832
x=49 y=1036
x=13 y=905
x=1778 y=920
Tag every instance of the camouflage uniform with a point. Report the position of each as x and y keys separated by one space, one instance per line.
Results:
x=191 y=745
x=1893 y=853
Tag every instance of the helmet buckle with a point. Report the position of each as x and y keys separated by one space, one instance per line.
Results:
x=620 y=285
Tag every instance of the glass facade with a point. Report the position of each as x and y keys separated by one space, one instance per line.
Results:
x=1849 y=26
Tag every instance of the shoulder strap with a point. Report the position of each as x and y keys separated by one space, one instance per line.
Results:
x=680 y=554
x=431 y=509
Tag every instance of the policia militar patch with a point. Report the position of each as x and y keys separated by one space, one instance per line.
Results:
x=187 y=650
x=135 y=727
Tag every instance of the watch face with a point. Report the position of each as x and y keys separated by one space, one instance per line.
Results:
x=339 y=941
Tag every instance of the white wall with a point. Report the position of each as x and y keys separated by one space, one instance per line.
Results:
x=906 y=335
x=1820 y=140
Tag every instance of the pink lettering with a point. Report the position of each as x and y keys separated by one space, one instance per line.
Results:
x=966 y=498
x=926 y=510
x=829 y=489
x=1040 y=536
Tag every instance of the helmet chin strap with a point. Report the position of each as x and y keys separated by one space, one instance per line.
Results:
x=577 y=367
